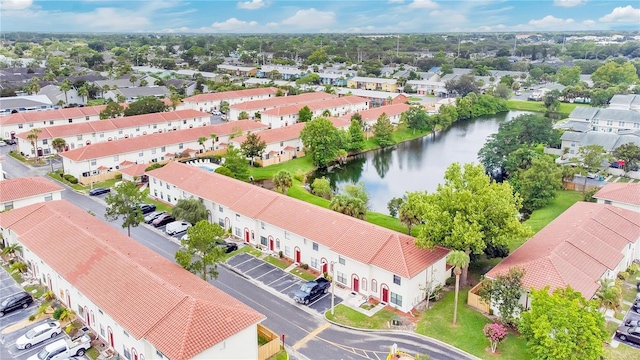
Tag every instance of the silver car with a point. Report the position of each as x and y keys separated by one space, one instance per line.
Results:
x=39 y=334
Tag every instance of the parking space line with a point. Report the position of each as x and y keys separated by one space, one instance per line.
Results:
x=318 y=299
x=263 y=274
x=280 y=278
x=253 y=268
x=288 y=287
x=249 y=259
x=7 y=287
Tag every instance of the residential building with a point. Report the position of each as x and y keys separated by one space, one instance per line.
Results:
x=258 y=106
x=334 y=79
x=121 y=83
x=428 y=87
x=573 y=140
x=13 y=124
x=20 y=192
x=186 y=87
x=369 y=83
x=86 y=133
x=613 y=120
x=242 y=71
x=106 y=157
x=622 y=195
x=25 y=104
x=288 y=114
x=257 y=82
x=58 y=97
x=140 y=304
x=583 y=245
x=284 y=144
x=131 y=94
x=370 y=116
x=625 y=102
x=368 y=259
x=280 y=72
x=211 y=101
x=376 y=98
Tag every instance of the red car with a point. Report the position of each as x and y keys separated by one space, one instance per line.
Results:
x=163 y=220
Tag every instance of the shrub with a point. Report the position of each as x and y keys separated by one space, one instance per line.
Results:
x=280 y=254
x=67 y=176
x=450 y=281
x=623 y=275
x=57 y=312
x=299 y=175
x=73 y=180
x=32 y=317
x=118 y=176
x=305 y=266
x=632 y=269
x=69 y=328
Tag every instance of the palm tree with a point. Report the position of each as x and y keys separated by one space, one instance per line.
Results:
x=19 y=267
x=458 y=259
x=609 y=295
x=11 y=250
x=33 y=138
x=282 y=180
x=65 y=87
x=105 y=88
x=144 y=82
x=175 y=100
x=201 y=141
x=34 y=85
x=84 y=92
x=133 y=80
x=213 y=140
x=59 y=144
x=349 y=205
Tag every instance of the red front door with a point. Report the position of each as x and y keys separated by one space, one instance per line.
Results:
x=271 y=244
x=298 y=256
x=385 y=295
x=356 y=284
x=246 y=236
x=111 y=338
x=324 y=268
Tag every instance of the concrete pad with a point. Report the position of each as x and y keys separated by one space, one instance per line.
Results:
x=249 y=264
x=260 y=270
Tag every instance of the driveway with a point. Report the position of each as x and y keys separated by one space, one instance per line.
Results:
x=277 y=279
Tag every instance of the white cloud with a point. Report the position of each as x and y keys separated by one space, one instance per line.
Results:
x=251 y=5
x=622 y=15
x=112 y=19
x=15 y=4
x=422 y=4
x=310 y=19
x=550 y=21
x=568 y=3
x=234 y=25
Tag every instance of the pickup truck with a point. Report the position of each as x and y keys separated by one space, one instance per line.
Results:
x=311 y=290
x=64 y=348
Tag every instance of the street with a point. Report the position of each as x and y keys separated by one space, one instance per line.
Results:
x=282 y=316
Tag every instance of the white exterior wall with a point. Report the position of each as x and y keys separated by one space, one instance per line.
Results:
x=242 y=345
x=56 y=195
x=209 y=106
x=277 y=146
x=6 y=130
x=622 y=205
x=336 y=111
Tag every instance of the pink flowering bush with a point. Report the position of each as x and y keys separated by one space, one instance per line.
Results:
x=495 y=333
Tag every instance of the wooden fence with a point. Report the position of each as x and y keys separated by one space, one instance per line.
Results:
x=86 y=180
x=475 y=301
x=272 y=347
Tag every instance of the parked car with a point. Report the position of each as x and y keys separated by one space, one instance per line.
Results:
x=228 y=246
x=14 y=302
x=147 y=208
x=39 y=334
x=177 y=227
x=99 y=191
x=636 y=306
x=2 y=143
x=311 y=290
x=10 y=141
x=64 y=348
x=631 y=334
x=148 y=219
x=632 y=322
x=163 y=219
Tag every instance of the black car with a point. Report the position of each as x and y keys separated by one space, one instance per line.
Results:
x=14 y=302
x=631 y=334
x=146 y=208
x=162 y=220
x=10 y=141
x=636 y=306
x=99 y=191
x=228 y=246
x=148 y=219
x=632 y=322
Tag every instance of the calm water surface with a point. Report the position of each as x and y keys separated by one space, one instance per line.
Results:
x=417 y=164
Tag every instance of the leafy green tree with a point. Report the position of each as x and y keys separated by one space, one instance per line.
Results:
x=11 y=250
x=283 y=180
x=609 y=295
x=305 y=114
x=145 y=105
x=112 y=110
x=502 y=90
x=33 y=139
x=470 y=212
x=416 y=118
x=349 y=205
x=322 y=187
x=563 y=325
x=125 y=202
x=459 y=260
x=202 y=253
x=190 y=210
x=505 y=292
x=357 y=117
x=611 y=74
x=309 y=79
x=83 y=91
x=224 y=106
x=356 y=137
x=591 y=159
x=551 y=100
x=383 y=131
x=175 y=100
x=410 y=211
x=326 y=113
x=59 y=144
x=253 y=146
x=568 y=76
x=243 y=115
x=322 y=141
x=359 y=191
x=236 y=162
x=447 y=115
x=223 y=171
x=629 y=153
x=394 y=205
x=201 y=141
x=319 y=56
x=538 y=183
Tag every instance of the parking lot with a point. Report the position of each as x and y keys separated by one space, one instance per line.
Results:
x=630 y=316
x=277 y=279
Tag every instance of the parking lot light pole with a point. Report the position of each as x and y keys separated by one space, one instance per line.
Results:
x=333 y=289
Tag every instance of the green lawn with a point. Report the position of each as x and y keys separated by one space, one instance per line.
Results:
x=467 y=334
x=160 y=206
x=282 y=355
x=276 y=262
x=629 y=291
x=347 y=316
x=293 y=166
x=524 y=105
x=623 y=180
x=306 y=275
x=16 y=155
x=541 y=217
x=93 y=353
x=94 y=102
x=244 y=249
x=622 y=352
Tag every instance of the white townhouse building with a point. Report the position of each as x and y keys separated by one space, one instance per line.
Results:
x=586 y=243
x=258 y=106
x=20 y=192
x=28 y=103
x=625 y=102
x=368 y=259
x=131 y=94
x=211 y=101
x=13 y=124
x=288 y=114
x=140 y=304
x=622 y=195
x=428 y=87
x=613 y=120
x=81 y=134
x=573 y=140
x=109 y=156
x=394 y=112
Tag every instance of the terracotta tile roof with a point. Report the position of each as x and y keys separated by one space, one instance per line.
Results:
x=20 y=188
x=90 y=127
x=135 y=170
x=374 y=114
x=102 y=168
x=576 y=248
x=148 y=295
x=628 y=193
x=285 y=133
x=316 y=105
x=227 y=95
x=345 y=235
x=137 y=143
x=58 y=114
x=126 y=162
x=283 y=100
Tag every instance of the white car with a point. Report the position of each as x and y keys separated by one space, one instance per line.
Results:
x=39 y=334
x=177 y=227
x=2 y=143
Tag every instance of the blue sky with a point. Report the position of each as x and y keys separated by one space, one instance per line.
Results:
x=307 y=16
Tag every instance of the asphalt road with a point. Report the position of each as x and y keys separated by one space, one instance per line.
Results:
x=282 y=316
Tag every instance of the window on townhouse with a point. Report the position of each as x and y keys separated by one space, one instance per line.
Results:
x=119 y=132
x=181 y=146
x=163 y=149
x=341 y=260
x=621 y=123
x=396 y=280
x=396 y=299
x=314 y=263
x=238 y=217
x=141 y=154
x=168 y=186
x=184 y=122
x=20 y=126
x=138 y=129
x=364 y=284
x=8 y=205
x=263 y=241
x=86 y=118
x=154 y=181
x=315 y=246
x=48 y=197
x=238 y=232
x=102 y=333
x=155 y=192
x=287 y=251
x=220 y=208
x=79 y=137
x=607 y=202
x=636 y=125
x=169 y=198
x=45 y=141
x=153 y=151
x=126 y=352
x=50 y=122
x=30 y=124
x=281 y=143
x=277 y=243
x=262 y=225
x=117 y=158
x=286 y=235
x=125 y=333
x=93 y=162
x=221 y=222
x=341 y=278
x=101 y=135
x=609 y=122
x=374 y=286
x=160 y=354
